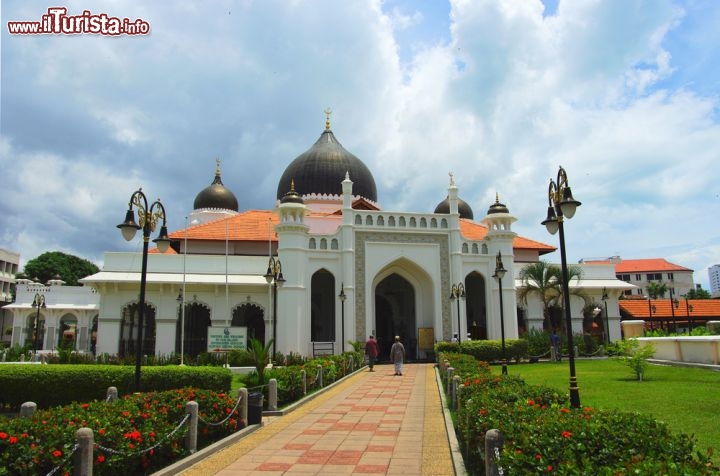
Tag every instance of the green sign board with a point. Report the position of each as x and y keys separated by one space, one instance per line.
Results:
x=224 y=339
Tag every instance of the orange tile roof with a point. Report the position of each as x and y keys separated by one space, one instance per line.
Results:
x=644 y=265
x=476 y=231
x=251 y=225
x=642 y=309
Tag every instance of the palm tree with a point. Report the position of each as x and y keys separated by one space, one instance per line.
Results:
x=261 y=357
x=544 y=280
x=656 y=289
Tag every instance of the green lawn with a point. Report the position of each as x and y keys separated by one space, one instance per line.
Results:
x=684 y=398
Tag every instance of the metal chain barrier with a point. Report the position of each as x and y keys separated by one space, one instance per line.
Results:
x=64 y=461
x=146 y=450
x=237 y=404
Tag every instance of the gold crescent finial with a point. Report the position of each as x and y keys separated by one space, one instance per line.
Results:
x=292 y=185
x=217 y=165
x=327 y=112
x=497 y=198
x=452 y=179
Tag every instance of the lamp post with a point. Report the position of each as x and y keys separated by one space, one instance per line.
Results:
x=605 y=298
x=499 y=273
x=274 y=277
x=673 y=305
x=561 y=204
x=181 y=302
x=688 y=310
x=148 y=218
x=39 y=303
x=342 y=297
x=458 y=292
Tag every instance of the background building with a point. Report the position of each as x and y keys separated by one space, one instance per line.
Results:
x=9 y=262
x=714 y=274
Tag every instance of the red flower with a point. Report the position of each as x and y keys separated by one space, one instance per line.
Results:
x=100 y=459
x=564 y=410
x=550 y=468
x=85 y=406
x=538 y=456
x=101 y=431
x=531 y=402
x=12 y=440
x=566 y=434
x=57 y=453
x=3 y=435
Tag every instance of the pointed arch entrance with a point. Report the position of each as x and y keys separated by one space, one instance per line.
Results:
x=476 y=306
x=253 y=317
x=129 y=330
x=395 y=315
x=197 y=321
x=322 y=310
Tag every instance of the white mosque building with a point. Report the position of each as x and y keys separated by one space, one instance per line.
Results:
x=348 y=269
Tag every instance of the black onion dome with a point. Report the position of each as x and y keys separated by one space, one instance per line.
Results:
x=321 y=170
x=463 y=208
x=216 y=196
x=497 y=207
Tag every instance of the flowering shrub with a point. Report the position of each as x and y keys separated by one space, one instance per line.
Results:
x=131 y=434
x=543 y=435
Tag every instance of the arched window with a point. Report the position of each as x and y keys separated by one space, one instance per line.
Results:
x=322 y=307
x=197 y=321
x=129 y=330
x=253 y=317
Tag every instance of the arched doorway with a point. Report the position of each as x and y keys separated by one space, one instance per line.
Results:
x=129 y=330
x=476 y=306
x=322 y=310
x=253 y=317
x=35 y=330
x=197 y=321
x=395 y=315
x=68 y=332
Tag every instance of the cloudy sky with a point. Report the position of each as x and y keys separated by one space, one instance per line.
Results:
x=622 y=93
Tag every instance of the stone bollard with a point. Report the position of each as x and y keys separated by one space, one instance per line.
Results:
x=303 y=376
x=27 y=409
x=84 y=455
x=243 y=396
x=111 y=395
x=450 y=373
x=191 y=438
x=455 y=389
x=320 y=376
x=493 y=444
x=272 y=394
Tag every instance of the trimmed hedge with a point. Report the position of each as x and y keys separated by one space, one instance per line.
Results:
x=52 y=385
x=487 y=350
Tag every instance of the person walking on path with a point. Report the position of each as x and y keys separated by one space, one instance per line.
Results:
x=397 y=355
x=372 y=351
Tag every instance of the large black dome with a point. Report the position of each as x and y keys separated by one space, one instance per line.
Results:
x=321 y=169
x=463 y=208
x=216 y=196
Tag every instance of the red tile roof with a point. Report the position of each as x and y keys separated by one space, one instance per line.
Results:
x=252 y=225
x=642 y=309
x=647 y=265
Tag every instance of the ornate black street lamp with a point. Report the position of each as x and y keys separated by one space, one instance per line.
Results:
x=561 y=205
x=499 y=274
x=181 y=303
x=458 y=292
x=274 y=277
x=605 y=298
x=688 y=310
x=148 y=218
x=342 y=297
x=674 y=303
x=39 y=303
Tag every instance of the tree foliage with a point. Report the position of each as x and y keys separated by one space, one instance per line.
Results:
x=544 y=280
x=50 y=264
x=656 y=289
x=698 y=294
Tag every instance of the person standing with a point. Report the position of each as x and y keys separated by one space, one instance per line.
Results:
x=397 y=355
x=372 y=351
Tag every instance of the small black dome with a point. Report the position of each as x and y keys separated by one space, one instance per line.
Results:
x=216 y=196
x=497 y=207
x=463 y=208
x=292 y=196
x=321 y=169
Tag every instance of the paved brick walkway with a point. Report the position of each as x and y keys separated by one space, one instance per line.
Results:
x=372 y=423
